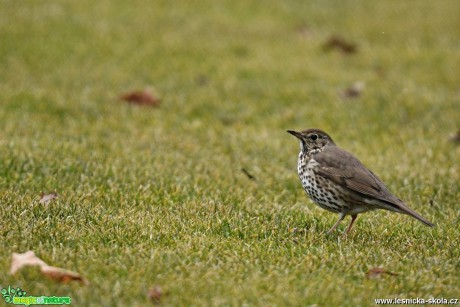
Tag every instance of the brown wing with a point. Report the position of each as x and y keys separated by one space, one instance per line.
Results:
x=347 y=171
x=343 y=168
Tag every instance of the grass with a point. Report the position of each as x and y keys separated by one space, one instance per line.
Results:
x=157 y=196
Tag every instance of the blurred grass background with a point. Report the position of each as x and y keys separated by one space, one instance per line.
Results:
x=156 y=196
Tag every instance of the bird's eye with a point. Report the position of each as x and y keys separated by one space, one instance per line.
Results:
x=313 y=137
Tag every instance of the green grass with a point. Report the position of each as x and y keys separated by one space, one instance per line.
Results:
x=157 y=196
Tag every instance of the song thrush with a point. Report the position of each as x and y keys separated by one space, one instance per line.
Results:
x=338 y=182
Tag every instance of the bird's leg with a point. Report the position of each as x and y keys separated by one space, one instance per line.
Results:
x=353 y=218
x=341 y=217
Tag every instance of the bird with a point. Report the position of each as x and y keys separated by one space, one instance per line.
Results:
x=338 y=182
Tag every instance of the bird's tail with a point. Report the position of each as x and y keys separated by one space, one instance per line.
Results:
x=403 y=208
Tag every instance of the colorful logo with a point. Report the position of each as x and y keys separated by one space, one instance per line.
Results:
x=17 y=296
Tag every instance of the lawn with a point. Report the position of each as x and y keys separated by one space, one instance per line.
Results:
x=156 y=196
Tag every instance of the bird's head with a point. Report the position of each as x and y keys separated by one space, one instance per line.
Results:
x=312 y=140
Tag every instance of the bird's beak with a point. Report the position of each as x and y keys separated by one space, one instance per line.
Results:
x=295 y=133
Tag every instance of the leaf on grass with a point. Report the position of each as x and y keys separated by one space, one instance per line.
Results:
x=145 y=97
x=304 y=31
x=30 y=259
x=354 y=90
x=340 y=44
x=155 y=294
x=62 y=275
x=455 y=138
x=26 y=259
x=249 y=175
x=46 y=198
x=377 y=272
x=379 y=70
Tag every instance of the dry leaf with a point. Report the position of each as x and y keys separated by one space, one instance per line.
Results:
x=144 y=97
x=155 y=294
x=338 y=43
x=250 y=176
x=455 y=138
x=354 y=90
x=377 y=272
x=379 y=71
x=304 y=31
x=26 y=259
x=46 y=198
x=30 y=259
x=62 y=275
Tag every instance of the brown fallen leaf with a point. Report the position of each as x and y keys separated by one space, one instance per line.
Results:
x=30 y=259
x=455 y=138
x=304 y=31
x=62 y=275
x=340 y=44
x=27 y=259
x=46 y=198
x=250 y=176
x=354 y=90
x=379 y=70
x=377 y=272
x=155 y=294
x=145 y=97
